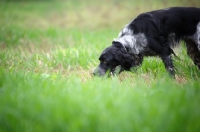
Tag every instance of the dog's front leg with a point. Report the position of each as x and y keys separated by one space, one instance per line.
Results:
x=167 y=60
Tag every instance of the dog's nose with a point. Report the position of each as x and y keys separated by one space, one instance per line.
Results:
x=95 y=72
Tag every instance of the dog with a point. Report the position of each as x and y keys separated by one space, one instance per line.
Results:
x=153 y=33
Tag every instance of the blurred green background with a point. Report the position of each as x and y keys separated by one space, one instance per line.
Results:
x=48 y=50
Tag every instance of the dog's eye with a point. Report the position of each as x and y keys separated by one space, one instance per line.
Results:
x=103 y=61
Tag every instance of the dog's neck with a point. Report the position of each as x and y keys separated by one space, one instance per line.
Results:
x=134 y=44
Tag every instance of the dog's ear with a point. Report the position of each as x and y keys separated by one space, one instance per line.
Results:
x=128 y=61
x=125 y=60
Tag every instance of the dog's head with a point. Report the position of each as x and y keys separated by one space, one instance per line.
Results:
x=113 y=56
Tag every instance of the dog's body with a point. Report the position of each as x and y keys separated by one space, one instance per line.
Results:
x=154 y=34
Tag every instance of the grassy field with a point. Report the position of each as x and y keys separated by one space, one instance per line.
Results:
x=48 y=50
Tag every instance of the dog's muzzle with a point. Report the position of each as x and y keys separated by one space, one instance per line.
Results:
x=102 y=72
x=99 y=71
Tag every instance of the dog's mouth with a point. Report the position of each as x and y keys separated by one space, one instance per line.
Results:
x=103 y=73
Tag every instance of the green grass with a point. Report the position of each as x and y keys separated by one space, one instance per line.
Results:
x=36 y=102
x=48 y=50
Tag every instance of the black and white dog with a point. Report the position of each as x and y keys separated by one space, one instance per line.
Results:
x=153 y=34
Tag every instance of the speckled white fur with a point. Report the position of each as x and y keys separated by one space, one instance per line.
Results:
x=198 y=36
x=134 y=43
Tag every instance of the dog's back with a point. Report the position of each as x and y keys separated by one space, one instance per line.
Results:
x=179 y=20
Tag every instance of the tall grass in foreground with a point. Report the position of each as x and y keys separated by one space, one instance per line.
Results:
x=34 y=102
x=48 y=51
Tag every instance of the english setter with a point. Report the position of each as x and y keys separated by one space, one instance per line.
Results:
x=153 y=33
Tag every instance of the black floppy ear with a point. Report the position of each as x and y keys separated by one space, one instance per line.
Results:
x=129 y=62
x=125 y=60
